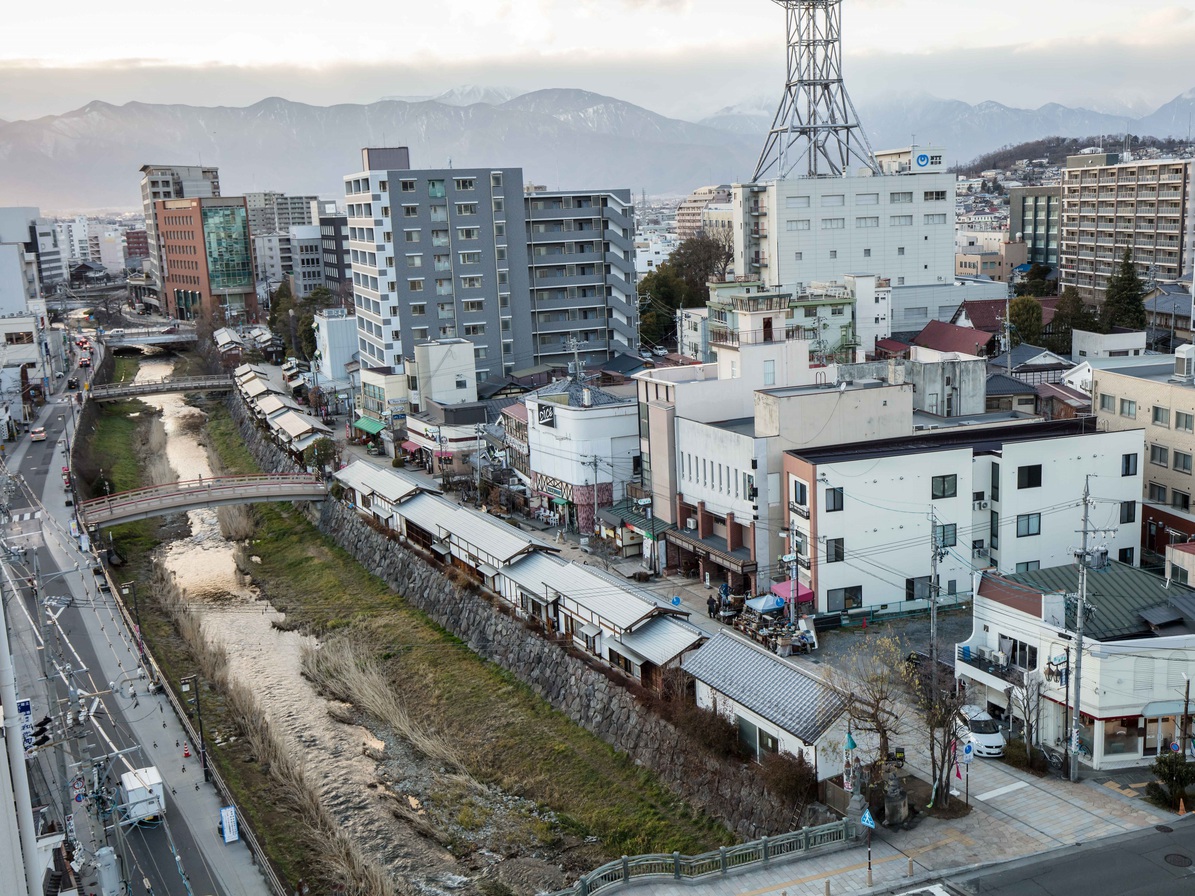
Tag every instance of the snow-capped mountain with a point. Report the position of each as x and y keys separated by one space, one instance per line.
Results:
x=90 y=157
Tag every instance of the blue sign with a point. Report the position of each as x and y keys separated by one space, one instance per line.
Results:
x=922 y=160
x=676 y=600
x=724 y=590
x=968 y=753
x=867 y=821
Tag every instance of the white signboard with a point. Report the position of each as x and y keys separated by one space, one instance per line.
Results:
x=228 y=824
x=25 y=711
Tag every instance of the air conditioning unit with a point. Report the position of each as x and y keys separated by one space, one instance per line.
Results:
x=982 y=653
x=691 y=523
x=999 y=658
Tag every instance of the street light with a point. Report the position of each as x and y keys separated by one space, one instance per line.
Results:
x=188 y=683
x=127 y=589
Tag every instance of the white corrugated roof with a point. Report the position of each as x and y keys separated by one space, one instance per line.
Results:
x=254 y=386
x=273 y=403
x=428 y=512
x=496 y=537
x=389 y=485
x=613 y=602
x=297 y=425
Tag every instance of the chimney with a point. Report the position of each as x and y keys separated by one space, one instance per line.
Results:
x=586 y=398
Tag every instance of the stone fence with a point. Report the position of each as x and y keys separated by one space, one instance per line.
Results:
x=729 y=791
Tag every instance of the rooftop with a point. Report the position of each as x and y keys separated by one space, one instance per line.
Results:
x=950 y=338
x=946 y=439
x=577 y=394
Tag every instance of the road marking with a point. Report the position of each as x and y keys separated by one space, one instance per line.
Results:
x=24 y=517
x=1000 y=791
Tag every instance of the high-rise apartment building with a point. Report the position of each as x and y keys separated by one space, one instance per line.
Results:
x=160 y=182
x=29 y=258
x=72 y=239
x=334 y=246
x=105 y=246
x=207 y=259
x=271 y=212
x=1034 y=214
x=1109 y=206
x=580 y=248
x=463 y=253
x=136 y=244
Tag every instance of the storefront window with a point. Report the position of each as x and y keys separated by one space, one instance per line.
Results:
x=1120 y=738
x=1159 y=734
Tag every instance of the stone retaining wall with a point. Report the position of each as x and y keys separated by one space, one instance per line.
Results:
x=728 y=791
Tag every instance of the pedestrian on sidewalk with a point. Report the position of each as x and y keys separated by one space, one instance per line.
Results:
x=712 y=606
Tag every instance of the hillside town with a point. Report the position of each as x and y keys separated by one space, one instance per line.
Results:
x=517 y=539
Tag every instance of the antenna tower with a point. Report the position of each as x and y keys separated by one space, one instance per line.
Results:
x=816 y=126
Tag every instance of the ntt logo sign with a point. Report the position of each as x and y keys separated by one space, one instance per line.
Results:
x=922 y=160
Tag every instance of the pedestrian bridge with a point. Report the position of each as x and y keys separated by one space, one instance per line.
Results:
x=113 y=391
x=175 y=497
x=149 y=336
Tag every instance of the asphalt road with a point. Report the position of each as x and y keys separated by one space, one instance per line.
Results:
x=89 y=637
x=1149 y=863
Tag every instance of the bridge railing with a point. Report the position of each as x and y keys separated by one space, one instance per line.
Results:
x=675 y=866
x=184 y=486
x=183 y=383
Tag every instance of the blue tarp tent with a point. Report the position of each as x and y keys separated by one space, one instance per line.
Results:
x=767 y=603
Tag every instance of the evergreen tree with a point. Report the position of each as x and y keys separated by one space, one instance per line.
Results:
x=1124 y=304
x=1070 y=314
x=1025 y=314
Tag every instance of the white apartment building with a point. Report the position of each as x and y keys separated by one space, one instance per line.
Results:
x=105 y=246
x=1006 y=498
x=336 y=343
x=1109 y=205
x=583 y=449
x=73 y=238
x=693 y=334
x=306 y=259
x=1137 y=654
x=273 y=256
x=272 y=212
x=800 y=230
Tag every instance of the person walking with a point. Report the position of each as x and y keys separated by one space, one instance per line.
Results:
x=712 y=605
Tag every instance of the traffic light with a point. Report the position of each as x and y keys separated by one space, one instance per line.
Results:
x=41 y=732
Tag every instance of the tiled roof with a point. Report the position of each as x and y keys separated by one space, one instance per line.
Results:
x=988 y=314
x=945 y=337
x=1002 y=384
x=766 y=684
x=578 y=394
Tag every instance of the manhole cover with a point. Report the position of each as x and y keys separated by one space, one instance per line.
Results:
x=1164 y=828
x=1178 y=860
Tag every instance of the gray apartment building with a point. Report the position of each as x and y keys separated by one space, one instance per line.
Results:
x=1034 y=213
x=272 y=212
x=1147 y=206
x=334 y=246
x=464 y=253
x=160 y=182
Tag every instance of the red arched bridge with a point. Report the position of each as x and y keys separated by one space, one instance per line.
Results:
x=175 y=497
x=113 y=391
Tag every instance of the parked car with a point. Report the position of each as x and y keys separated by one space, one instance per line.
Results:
x=980 y=730
x=37 y=434
x=72 y=383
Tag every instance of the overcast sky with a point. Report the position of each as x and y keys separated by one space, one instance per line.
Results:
x=684 y=58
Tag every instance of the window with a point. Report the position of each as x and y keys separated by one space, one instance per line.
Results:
x=796 y=202
x=466 y=208
x=467 y=233
x=415 y=285
x=833 y=499
x=1128 y=408
x=900 y=250
x=461 y=382
x=934 y=196
x=867 y=254
x=1128 y=465
x=768 y=743
x=1180 y=500
x=1159 y=455
x=769 y=373
x=496 y=180
x=418 y=308
x=414 y=261
x=936 y=219
x=1161 y=416
x=1128 y=511
x=1157 y=493
x=946 y=536
x=895 y=198
x=1029 y=476
x=1182 y=462
x=995 y=482
x=995 y=533
x=944 y=487
x=867 y=222
x=834 y=550
x=412 y=236
x=464 y=183
x=410 y=211
x=1184 y=421
x=1107 y=402
x=470 y=258
x=833 y=254
x=833 y=199
x=800 y=493
x=833 y=223
x=900 y=221
x=844 y=598
x=1029 y=566
x=1028 y=524
x=799 y=224
x=917 y=588
x=1125 y=555
x=470 y=283
x=867 y=199
x=407 y=186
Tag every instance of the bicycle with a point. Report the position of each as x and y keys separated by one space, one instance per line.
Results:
x=1054 y=759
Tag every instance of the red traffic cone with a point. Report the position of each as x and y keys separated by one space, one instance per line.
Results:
x=186 y=751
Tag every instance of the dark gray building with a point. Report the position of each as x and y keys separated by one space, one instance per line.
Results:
x=1034 y=212
x=463 y=253
x=334 y=247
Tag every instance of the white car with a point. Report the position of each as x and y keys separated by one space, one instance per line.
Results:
x=37 y=434
x=980 y=730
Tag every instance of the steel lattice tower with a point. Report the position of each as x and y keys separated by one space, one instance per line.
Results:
x=816 y=125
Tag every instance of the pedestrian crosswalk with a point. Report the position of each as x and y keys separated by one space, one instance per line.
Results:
x=24 y=515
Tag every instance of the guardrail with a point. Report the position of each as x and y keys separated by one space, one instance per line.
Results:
x=708 y=864
x=167 y=384
x=256 y=853
x=157 y=500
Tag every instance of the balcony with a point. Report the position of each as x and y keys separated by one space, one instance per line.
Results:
x=800 y=510
x=983 y=668
x=803 y=561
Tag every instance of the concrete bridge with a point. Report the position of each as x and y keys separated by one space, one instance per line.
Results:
x=113 y=391
x=149 y=336
x=175 y=497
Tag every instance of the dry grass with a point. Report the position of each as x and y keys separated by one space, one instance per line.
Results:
x=153 y=449
x=349 y=673
x=341 y=862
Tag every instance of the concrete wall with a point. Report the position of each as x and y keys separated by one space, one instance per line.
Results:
x=729 y=791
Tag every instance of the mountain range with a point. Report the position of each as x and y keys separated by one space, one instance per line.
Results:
x=89 y=158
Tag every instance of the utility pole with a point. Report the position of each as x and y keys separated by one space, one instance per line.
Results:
x=477 y=465
x=1184 y=734
x=1080 y=611
x=16 y=759
x=937 y=551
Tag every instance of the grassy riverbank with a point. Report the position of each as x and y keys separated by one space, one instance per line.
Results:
x=507 y=736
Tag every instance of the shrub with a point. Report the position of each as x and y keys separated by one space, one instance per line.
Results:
x=709 y=729
x=1174 y=777
x=788 y=777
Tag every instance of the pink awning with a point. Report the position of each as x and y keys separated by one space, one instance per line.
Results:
x=784 y=589
x=410 y=446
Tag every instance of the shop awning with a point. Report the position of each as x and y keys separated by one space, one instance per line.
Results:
x=410 y=446
x=443 y=454
x=486 y=570
x=560 y=502
x=784 y=590
x=442 y=549
x=369 y=425
x=588 y=631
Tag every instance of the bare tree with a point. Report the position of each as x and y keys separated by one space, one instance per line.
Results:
x=1024 y=703
x=937 y=700
x=871 y=682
